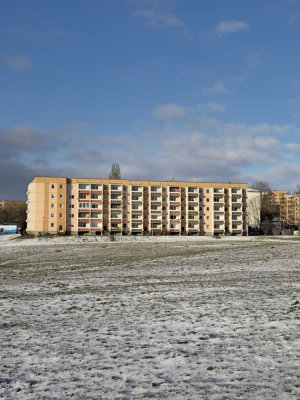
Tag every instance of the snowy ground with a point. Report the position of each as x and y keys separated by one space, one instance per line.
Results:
x=180 y=318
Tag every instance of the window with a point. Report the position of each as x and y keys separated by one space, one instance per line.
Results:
x=95 y=187
x=52 y=186
x=135 y=197
x=52 y=215
x=217 y=217
x=95 y=205
x=115 y=187
x=154 y=189
x=71 y=196
x=83 y=186
x=207 y=199
x=95 y=215
x=52 y=205
x=217 y=226
x=234 y=218
x=124 y=225
x=72 y=205
x=207 y=208
x=82 y=215
x=234 y=226
x=61 y=205
x=61 y=196
x=52 y=224
x=52 y=196
x=83 y=205
x=71 y=215
x=60 y=186
x=135 y=188
x=60 y=215
x=82 y=224
x=207 y=190
x=172 y=198
x=207 y=217
x=173 y=216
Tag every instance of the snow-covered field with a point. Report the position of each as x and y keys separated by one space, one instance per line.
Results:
x=175 y=318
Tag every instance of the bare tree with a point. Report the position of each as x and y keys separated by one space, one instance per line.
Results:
x=297 y=189
x=269 y=211
x=115 y=172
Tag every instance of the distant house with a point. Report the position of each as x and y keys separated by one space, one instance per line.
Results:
x=8 y=229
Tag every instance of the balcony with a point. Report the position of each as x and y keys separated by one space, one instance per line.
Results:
x=96 y=187
x=219 y=210
x=116 y=188
x=236 y=200
x=218 y=191
x=236 y=192
x=137 y=189
x=219 y=200
x=136 y=198
x=156 y=189
x=158 y=220
x=219 y=228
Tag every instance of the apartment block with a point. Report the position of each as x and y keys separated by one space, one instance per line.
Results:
x=78 y=206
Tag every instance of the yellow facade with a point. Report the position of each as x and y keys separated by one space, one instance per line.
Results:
x=78 y=206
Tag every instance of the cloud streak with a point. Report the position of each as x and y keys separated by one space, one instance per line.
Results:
x=228 y=27
x=19 y=63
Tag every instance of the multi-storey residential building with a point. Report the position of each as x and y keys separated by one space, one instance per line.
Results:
x=77 y=206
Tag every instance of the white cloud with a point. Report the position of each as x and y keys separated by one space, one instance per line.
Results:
x=19 y=63
x=293 y=147
x=217 y=87
x=226 y=27
x=215 y=107
x=171 y=110
x=158 y=19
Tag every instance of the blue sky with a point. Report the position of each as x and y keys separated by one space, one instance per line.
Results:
x=186 y=89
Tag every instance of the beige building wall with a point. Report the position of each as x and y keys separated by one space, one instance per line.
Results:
x=78 y=206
